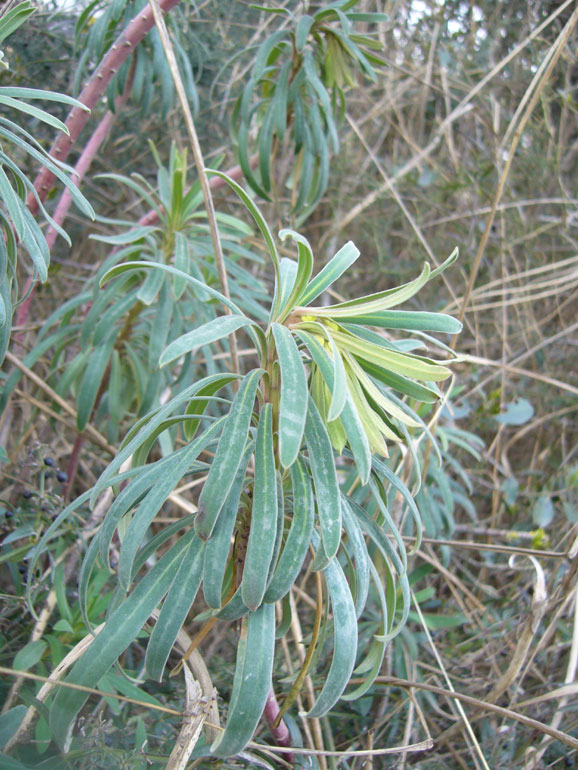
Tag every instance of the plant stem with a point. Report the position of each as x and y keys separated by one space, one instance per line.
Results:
x=197 y=153
x=91 y=94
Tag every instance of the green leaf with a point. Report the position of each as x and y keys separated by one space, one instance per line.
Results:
x=338 y=264
x=10 y=721
x=92 y=378
x=543 y=511
x=219 y=544
x=371 y=666
x=339 y=390
x=351 y=421
x=345 y=640
x=325 y=481
x=203 y=335
x=251 y=682
x=180 y=463
x=410 y=320
x=359 y=552
x=257 y=216
x=29 y=655
x=228 y=456
x=380 y=301
x=299 y=536
x=402 y=363
x=517 y=412
x=262 y=533
x=143 y=429
x=35 y=112
x=294 y=395
x=120 y=630
x=304 y=270
x=200 y=402
x=176 y=606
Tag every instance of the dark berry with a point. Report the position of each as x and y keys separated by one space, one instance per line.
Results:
x=62 y=476
x=47 y=474
x=10 y=514
x=49 y=461
x=23 y=569
x=27 y=494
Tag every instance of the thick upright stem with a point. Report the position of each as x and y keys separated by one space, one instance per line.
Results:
x=93 y=92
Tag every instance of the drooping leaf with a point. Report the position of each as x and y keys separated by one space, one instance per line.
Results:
x=251 y=682
x=228 y=456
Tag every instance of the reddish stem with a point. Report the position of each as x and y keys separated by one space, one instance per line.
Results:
x=121 y=49
x=281 y=733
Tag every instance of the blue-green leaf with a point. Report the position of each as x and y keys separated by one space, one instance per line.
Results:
x=228 y=456
x=119 y=631
x=175 y=609
x=345 y=640
x=294 y=395
x=325 y=481
x=203 y=335
x=263 y=530
x=251 y=682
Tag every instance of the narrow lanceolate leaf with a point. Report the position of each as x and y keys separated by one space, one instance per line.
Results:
x=325 y=480
x=304 y=270
x=251 y=682
x=402 y=363
x=263 y=529
x=373 y=303
x=358 y=550
x=155 y=499
x=119 y=631
x=349 y=418
x=405 y=319
x=219 y=544
x=143 y=429
x=370 y=667
x=228 y=456
x=344 y=640
x=175 y=609
x=294 y=395
x=299 y=536
x=343 y=260
x=256 y=214
x=203 y=335
x=93 y=375
x=199 y=403
x=339 y=390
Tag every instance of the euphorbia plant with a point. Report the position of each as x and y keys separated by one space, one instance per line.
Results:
x=271 y=504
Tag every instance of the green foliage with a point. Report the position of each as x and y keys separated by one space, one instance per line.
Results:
x=266 y=460
x=296 y=91
x=17 y=225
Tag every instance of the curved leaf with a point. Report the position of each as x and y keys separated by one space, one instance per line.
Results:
x=228 y=456
x=251 y=682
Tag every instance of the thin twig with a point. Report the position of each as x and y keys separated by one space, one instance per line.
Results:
x=198 y=155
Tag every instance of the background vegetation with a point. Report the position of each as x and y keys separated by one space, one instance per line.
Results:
x=467 y=136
